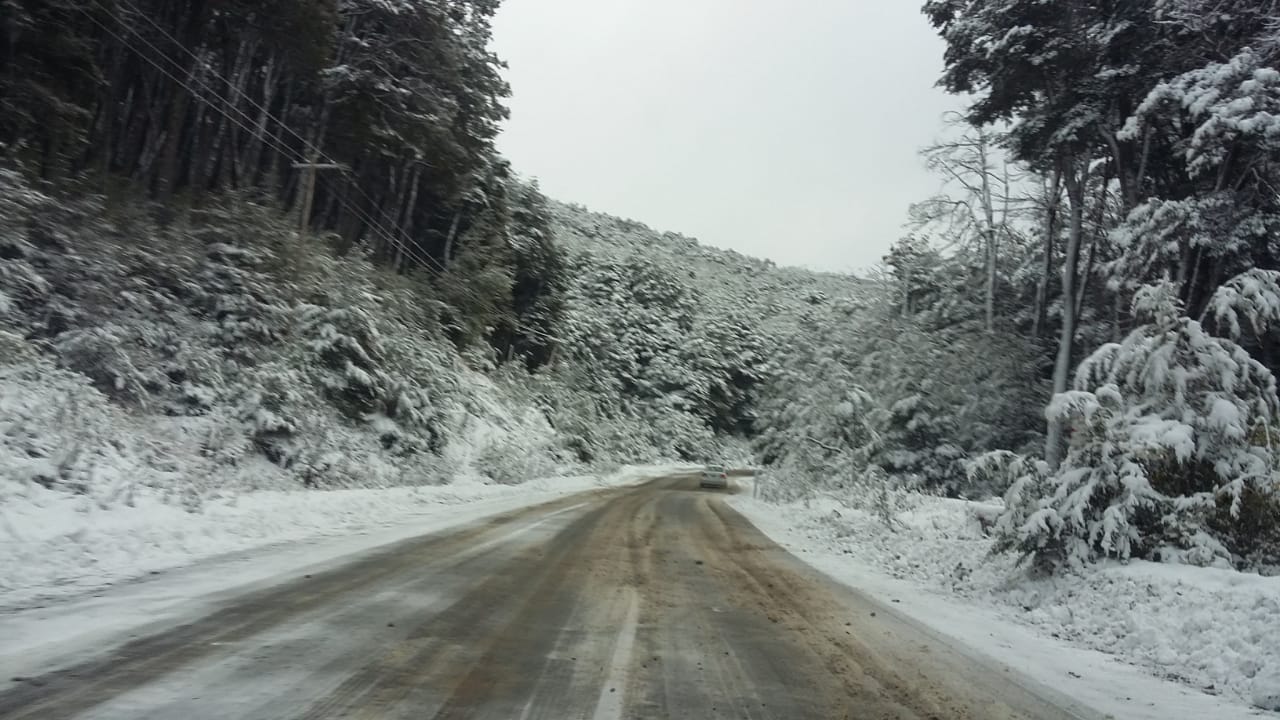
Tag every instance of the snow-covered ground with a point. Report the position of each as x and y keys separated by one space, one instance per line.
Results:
x=1113 y=638
x=54 y=545
x=133 y=568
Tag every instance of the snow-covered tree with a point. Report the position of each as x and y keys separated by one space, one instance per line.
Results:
x=1174 y=432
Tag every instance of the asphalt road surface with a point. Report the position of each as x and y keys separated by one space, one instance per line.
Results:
x=656 y=601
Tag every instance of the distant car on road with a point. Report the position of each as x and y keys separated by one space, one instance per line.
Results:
x=714 y=476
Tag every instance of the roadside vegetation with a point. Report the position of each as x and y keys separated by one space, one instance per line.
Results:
x=1083 y=321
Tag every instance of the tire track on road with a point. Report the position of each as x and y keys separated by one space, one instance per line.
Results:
x=66 y=692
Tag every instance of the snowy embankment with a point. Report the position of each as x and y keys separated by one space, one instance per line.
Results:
x=93 y=494
x=54 y=545
x=1212 y=630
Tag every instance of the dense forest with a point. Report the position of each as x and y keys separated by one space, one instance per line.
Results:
x=373 y=120
x=286 y=224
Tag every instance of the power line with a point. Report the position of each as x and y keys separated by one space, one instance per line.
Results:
x=283 y=150
x=177 y=43
x=405 y=247
x=269 y=143
x=307 y=144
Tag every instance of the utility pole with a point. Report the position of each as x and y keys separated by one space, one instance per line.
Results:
x=309 y=188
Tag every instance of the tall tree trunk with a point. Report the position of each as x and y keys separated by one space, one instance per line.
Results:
x=139 y=118
x=384 y=216
x=167 y=177
x=989 y=218
x=1094 y=238
x=315 y=136
x=329 y=216
x=156 y=139
x=110 y=138
x=108 y=143
x=344 y=220
x=216 y=159
x=275 y=172
x=1116 y=305
x=1075 y=176
x=449 y=239
x=191 y=28
x=1191 y=302
x=252 y=162
x=406 y=217
x=202 y=143
x=1082 y=287
x=207 y=162
x=308 y=185
x=1046 y=265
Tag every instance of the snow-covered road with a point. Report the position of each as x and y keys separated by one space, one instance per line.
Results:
x=657 y=601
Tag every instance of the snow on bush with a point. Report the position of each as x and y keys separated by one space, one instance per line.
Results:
x=1172 y=455
x=226 y=326
x=518 y=455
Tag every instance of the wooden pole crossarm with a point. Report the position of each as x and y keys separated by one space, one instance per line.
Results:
x=320 y=166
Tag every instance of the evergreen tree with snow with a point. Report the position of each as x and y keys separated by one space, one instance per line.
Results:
x=1173 y=443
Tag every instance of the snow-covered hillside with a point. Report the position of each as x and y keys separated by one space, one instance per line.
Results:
x=691 y=337
x=773 y=297
x=155 y=371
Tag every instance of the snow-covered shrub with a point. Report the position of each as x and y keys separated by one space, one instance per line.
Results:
x=1172 y=450
x=826 y=443
x=235 y=296
x=99 y=353
x=592 y=436
x=1028 y=482
x=828 y=434
x=21 y=285
x=193 y=399
x=60 y=433
x=351 y=358
x=15 y=350
x=346 y=344
x=916 y=446
x=265 y=411
x=513 y=460
x=226 y=440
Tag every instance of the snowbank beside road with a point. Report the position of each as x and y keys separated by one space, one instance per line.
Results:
x=43 y=637
x=54 y=545
x=1211 y=630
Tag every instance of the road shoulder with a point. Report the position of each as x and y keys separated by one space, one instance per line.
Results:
x=64 y=628
x=1092 y=678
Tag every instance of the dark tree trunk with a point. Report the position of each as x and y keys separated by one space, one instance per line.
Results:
x=1046 y=267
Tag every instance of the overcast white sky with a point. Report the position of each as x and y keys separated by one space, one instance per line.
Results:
x=785 y=130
